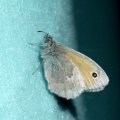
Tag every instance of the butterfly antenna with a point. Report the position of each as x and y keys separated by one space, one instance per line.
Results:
x=42 y=32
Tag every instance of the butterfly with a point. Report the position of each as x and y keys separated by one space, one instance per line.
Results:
x=68 y=72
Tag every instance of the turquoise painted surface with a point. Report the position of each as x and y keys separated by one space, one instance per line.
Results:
x=24 y=96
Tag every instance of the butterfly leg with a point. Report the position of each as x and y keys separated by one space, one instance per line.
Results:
x=36 y=69
x=40 y=45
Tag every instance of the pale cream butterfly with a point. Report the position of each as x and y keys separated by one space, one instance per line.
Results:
x=68 y=72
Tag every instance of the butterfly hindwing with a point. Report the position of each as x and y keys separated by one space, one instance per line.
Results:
x=63 y=76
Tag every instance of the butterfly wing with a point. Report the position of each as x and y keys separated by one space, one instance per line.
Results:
x=94 y=77
x=63 y=76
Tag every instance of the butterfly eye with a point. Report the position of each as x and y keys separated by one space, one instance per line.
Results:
x=47 y=40
x=94 y=74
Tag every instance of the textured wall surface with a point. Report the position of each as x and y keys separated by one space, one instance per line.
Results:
x=24 y=96
x=87 y=25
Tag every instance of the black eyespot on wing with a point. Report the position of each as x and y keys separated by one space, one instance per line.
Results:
x=94 y=74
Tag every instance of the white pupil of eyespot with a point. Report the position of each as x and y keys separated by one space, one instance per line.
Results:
x=94 y=74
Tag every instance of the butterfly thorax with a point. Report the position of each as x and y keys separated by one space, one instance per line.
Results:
x=51 y=48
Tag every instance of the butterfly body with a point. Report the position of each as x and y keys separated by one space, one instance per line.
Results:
x=68 y=72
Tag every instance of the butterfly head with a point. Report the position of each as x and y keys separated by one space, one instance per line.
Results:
x=48 y=40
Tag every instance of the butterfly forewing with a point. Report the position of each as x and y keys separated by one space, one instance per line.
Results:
x=94 y=77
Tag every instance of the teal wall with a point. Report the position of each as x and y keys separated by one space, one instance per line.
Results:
x=88 y=26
